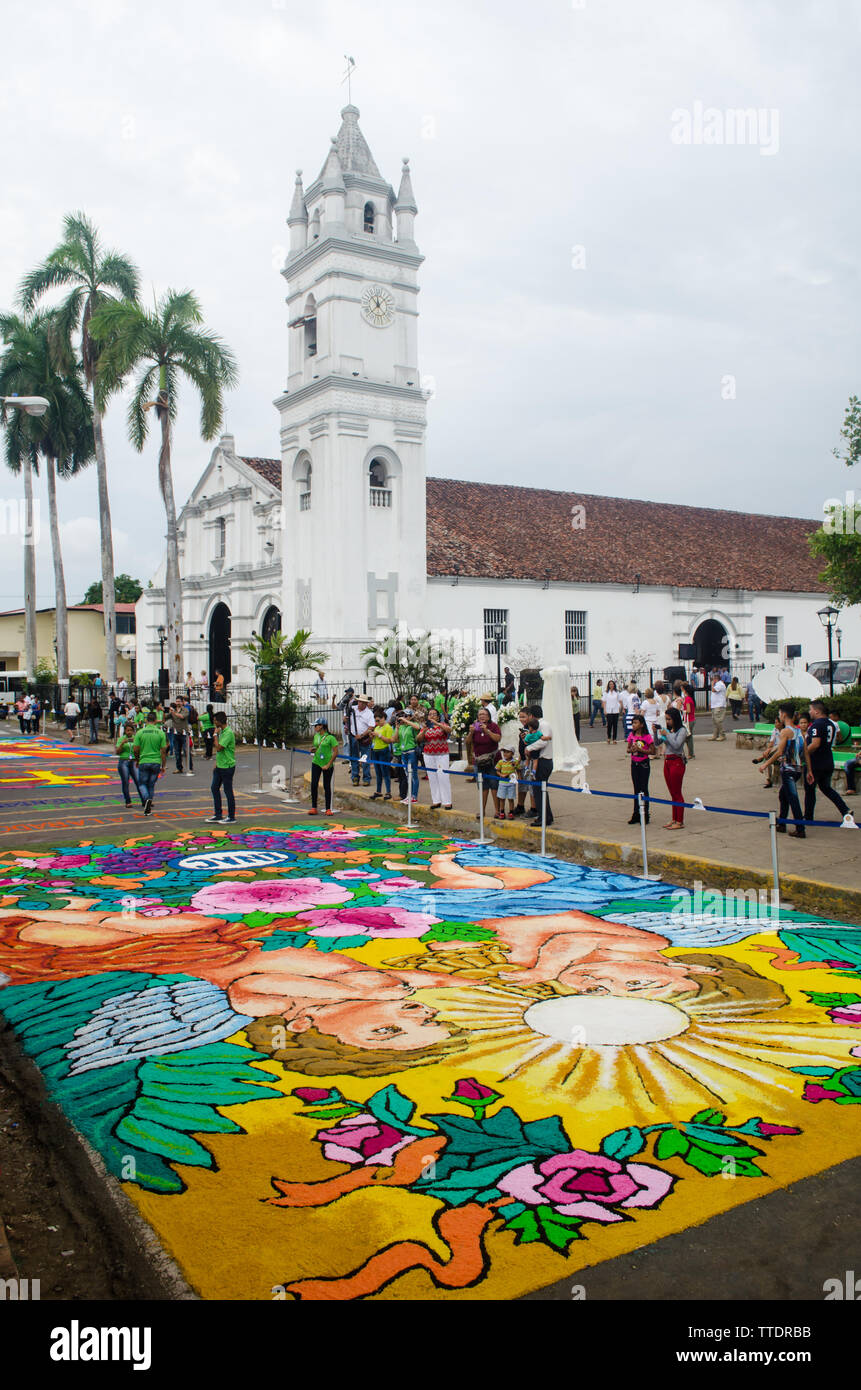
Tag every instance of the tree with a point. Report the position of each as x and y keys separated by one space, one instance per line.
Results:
x=412 y=663
x=81 y=264
x=276 y=659
x=838 y=541
x=164 y=346
x=36 y=363
x=126 y=590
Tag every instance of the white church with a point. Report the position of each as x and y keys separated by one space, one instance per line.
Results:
x=346 y=535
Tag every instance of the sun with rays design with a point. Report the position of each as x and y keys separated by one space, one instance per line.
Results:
x=714 y=1032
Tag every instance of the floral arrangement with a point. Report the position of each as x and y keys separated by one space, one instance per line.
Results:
x=486 y=1168
x=464 y=714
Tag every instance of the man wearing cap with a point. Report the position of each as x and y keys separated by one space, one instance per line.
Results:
x=360 y=724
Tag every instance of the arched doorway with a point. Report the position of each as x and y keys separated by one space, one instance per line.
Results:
x=271 y=624
x=713 y=647
x=219 y=643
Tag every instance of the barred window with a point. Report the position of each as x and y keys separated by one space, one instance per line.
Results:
x=575 y=631
x=772 y=635
x=495 y=630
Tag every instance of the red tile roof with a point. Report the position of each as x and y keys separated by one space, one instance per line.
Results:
x=483 y=531
x=270 y=469
x=491 y=530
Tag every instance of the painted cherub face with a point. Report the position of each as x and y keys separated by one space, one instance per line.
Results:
x=650 y=979
x=401 y=1024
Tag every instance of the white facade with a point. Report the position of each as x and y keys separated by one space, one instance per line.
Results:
x=353 y=415
x=616 y=622
x=230 y=559
x=341 y=546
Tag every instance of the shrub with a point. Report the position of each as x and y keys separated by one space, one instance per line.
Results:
x=846 y=706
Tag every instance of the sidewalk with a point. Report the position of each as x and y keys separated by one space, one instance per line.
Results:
x=594 y=828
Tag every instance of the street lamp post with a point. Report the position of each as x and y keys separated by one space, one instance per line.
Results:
x=828 y=617
x=31 y=405
x=162 y=634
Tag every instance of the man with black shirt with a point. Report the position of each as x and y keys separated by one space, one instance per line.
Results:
x=821 y=737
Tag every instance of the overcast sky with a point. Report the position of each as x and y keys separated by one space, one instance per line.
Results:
x=604 y=308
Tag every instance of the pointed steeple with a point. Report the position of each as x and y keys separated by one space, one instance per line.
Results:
x=353 y=150
x=332 y=174
x=298 y=211
x=406 y=198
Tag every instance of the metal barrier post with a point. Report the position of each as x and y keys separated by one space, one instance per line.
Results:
x=482 y=839
x=775 y=871
x=289 y=796
x=641 y=801
x=543 y=786
x=409 y=799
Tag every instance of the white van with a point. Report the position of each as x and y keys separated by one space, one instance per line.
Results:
x=846 y=673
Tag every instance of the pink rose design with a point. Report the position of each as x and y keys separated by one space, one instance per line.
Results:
x=394 y=884
x=470 y=1089
x=367 y=921
x=353 y=873
x=815 y=1093
x=313 y=1095
x=846 y=1013
x=361 y=1139
x=587 y=1185
x=275 y=895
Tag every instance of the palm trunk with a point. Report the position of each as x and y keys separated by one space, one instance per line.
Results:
x=59 y=578
x=172 y=581
x=30 y=538
x=109 y=598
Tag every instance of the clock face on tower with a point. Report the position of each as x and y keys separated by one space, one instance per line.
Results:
x=378 y=306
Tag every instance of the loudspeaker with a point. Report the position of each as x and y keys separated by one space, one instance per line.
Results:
x=687 y=651
x=793 y=651
x=164 y=685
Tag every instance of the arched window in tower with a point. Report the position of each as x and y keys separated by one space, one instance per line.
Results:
x=381 y=493
x=305 y=491
x=220 y=538
x=315 y=224
x=311 y=326
x=370 y=214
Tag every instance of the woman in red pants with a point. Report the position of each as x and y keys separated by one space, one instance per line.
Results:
x=673 y=741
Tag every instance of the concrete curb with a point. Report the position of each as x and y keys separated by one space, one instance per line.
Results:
x=810 y=895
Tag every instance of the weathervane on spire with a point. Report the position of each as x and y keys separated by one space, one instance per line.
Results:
x=351 y=63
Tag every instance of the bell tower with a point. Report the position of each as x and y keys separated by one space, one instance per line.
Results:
x=353 y=415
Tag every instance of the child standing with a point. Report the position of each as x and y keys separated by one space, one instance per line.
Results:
x=640 y=746
x=507 y=770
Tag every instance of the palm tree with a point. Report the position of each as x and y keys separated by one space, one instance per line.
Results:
x=81 y=263
x=163 y=346
x=276 y=659
x=36 y=363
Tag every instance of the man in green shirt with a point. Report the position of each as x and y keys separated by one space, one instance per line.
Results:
x=150 y=750
x=225 y=766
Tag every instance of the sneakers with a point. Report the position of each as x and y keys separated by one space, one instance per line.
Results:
x=148 y=806
x=375 y=796
x=230 y=820
x=312 y=811
x=189 y=774
x=328 y=813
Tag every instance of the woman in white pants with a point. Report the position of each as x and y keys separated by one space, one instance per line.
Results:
x=434 y=741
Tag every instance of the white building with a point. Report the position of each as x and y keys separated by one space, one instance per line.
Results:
x=360 y=540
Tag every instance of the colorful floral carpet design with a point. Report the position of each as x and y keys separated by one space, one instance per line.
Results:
x=42 y=761
x=341 y=1063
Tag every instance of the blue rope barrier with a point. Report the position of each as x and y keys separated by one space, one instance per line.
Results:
x=366 y=761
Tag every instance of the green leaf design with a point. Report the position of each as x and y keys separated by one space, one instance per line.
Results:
x=545 y=1225
x=156 y=1138
x=671 y=1144
x=395 y=1109
x=832 y=1001
x=332 y=1113
x=623 y=1143
x=708 y=1117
